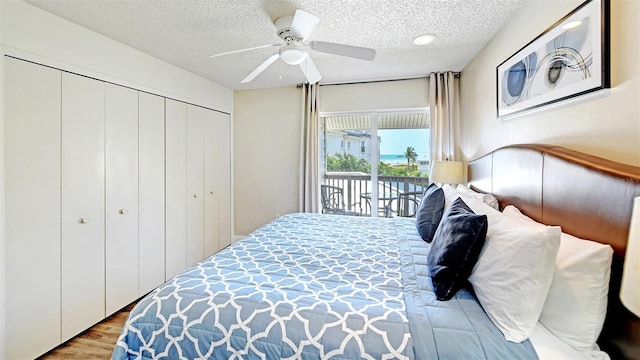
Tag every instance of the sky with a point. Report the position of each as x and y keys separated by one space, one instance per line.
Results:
x=395 y=141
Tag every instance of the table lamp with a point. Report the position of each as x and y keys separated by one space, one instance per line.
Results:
x=446 y=172
x=630 y=287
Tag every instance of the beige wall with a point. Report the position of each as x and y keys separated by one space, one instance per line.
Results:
x=606 y=123
x=267 y=126
x=266 y=155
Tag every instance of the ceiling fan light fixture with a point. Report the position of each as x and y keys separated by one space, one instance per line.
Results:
x=292 y=55
x=424 y=39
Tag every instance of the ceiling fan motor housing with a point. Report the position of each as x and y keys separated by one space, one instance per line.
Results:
x=283 y=26
x=291 y=53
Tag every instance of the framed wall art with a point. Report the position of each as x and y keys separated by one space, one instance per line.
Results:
x=570 y=58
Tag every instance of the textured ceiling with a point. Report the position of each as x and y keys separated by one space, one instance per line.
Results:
x=186 y=32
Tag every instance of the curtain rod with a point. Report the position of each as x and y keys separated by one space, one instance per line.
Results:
x=372 y=81
x=456 y=74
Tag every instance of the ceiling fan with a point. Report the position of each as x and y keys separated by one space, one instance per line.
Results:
x=293 y=30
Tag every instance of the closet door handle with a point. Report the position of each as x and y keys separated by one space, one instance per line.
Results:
x=123 y=211
x=195 y=195
x=84 y=220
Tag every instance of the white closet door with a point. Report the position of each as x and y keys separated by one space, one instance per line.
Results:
x=196 y=118
x=150 y=192
x=32 y=209
x=122 y=197
x=211 y=191
x=223 y=153
x=83 y=226
x=217 y=182
x=176 y=187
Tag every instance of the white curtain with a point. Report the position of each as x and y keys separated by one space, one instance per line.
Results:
x=444 y=97
x=309 y=150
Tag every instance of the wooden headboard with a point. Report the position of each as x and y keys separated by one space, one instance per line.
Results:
x=588 y=196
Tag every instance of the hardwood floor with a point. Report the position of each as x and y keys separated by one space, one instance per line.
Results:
x=95 y=343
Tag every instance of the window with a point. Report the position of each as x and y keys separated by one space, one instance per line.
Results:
x=393 y=153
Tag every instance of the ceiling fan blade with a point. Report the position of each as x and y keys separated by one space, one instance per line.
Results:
x=303 y=23
x=310 y=70
x=243 y=50
x=260 y=68
x=344 y=50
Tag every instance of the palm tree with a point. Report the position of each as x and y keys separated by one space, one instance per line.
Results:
x=411 y=155
x=347 y=162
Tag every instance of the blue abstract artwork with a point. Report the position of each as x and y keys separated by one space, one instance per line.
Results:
x=565 y=61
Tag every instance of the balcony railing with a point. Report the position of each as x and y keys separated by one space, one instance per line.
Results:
x=357 y=189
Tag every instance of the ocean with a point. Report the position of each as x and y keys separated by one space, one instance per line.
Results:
x=393 y=159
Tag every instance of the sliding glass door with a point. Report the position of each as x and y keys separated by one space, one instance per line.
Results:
x=374 y=163
x=347 y=158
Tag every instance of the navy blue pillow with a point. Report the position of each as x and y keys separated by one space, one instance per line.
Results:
x=455 y=250
x=430 y=212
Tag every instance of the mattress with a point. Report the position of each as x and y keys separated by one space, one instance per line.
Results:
x=309 y=286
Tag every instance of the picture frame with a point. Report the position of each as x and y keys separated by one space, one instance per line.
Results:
x=569 y=59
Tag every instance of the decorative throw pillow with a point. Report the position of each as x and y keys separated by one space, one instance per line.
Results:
x=430 y=212
x=456 y=246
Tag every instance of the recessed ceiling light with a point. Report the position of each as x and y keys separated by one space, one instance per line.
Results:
x=571 y=25
x=424 y=39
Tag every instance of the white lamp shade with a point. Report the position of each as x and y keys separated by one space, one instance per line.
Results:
x=446 y=172
x=630 y=287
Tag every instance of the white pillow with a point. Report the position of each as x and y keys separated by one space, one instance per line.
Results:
x=488 y=199
x=450 y=194
x=577 y=301
x=514 y=271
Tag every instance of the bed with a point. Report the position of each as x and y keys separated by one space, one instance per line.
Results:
x=309 y=286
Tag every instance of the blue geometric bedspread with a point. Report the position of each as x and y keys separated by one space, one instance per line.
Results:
x=313 y=286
